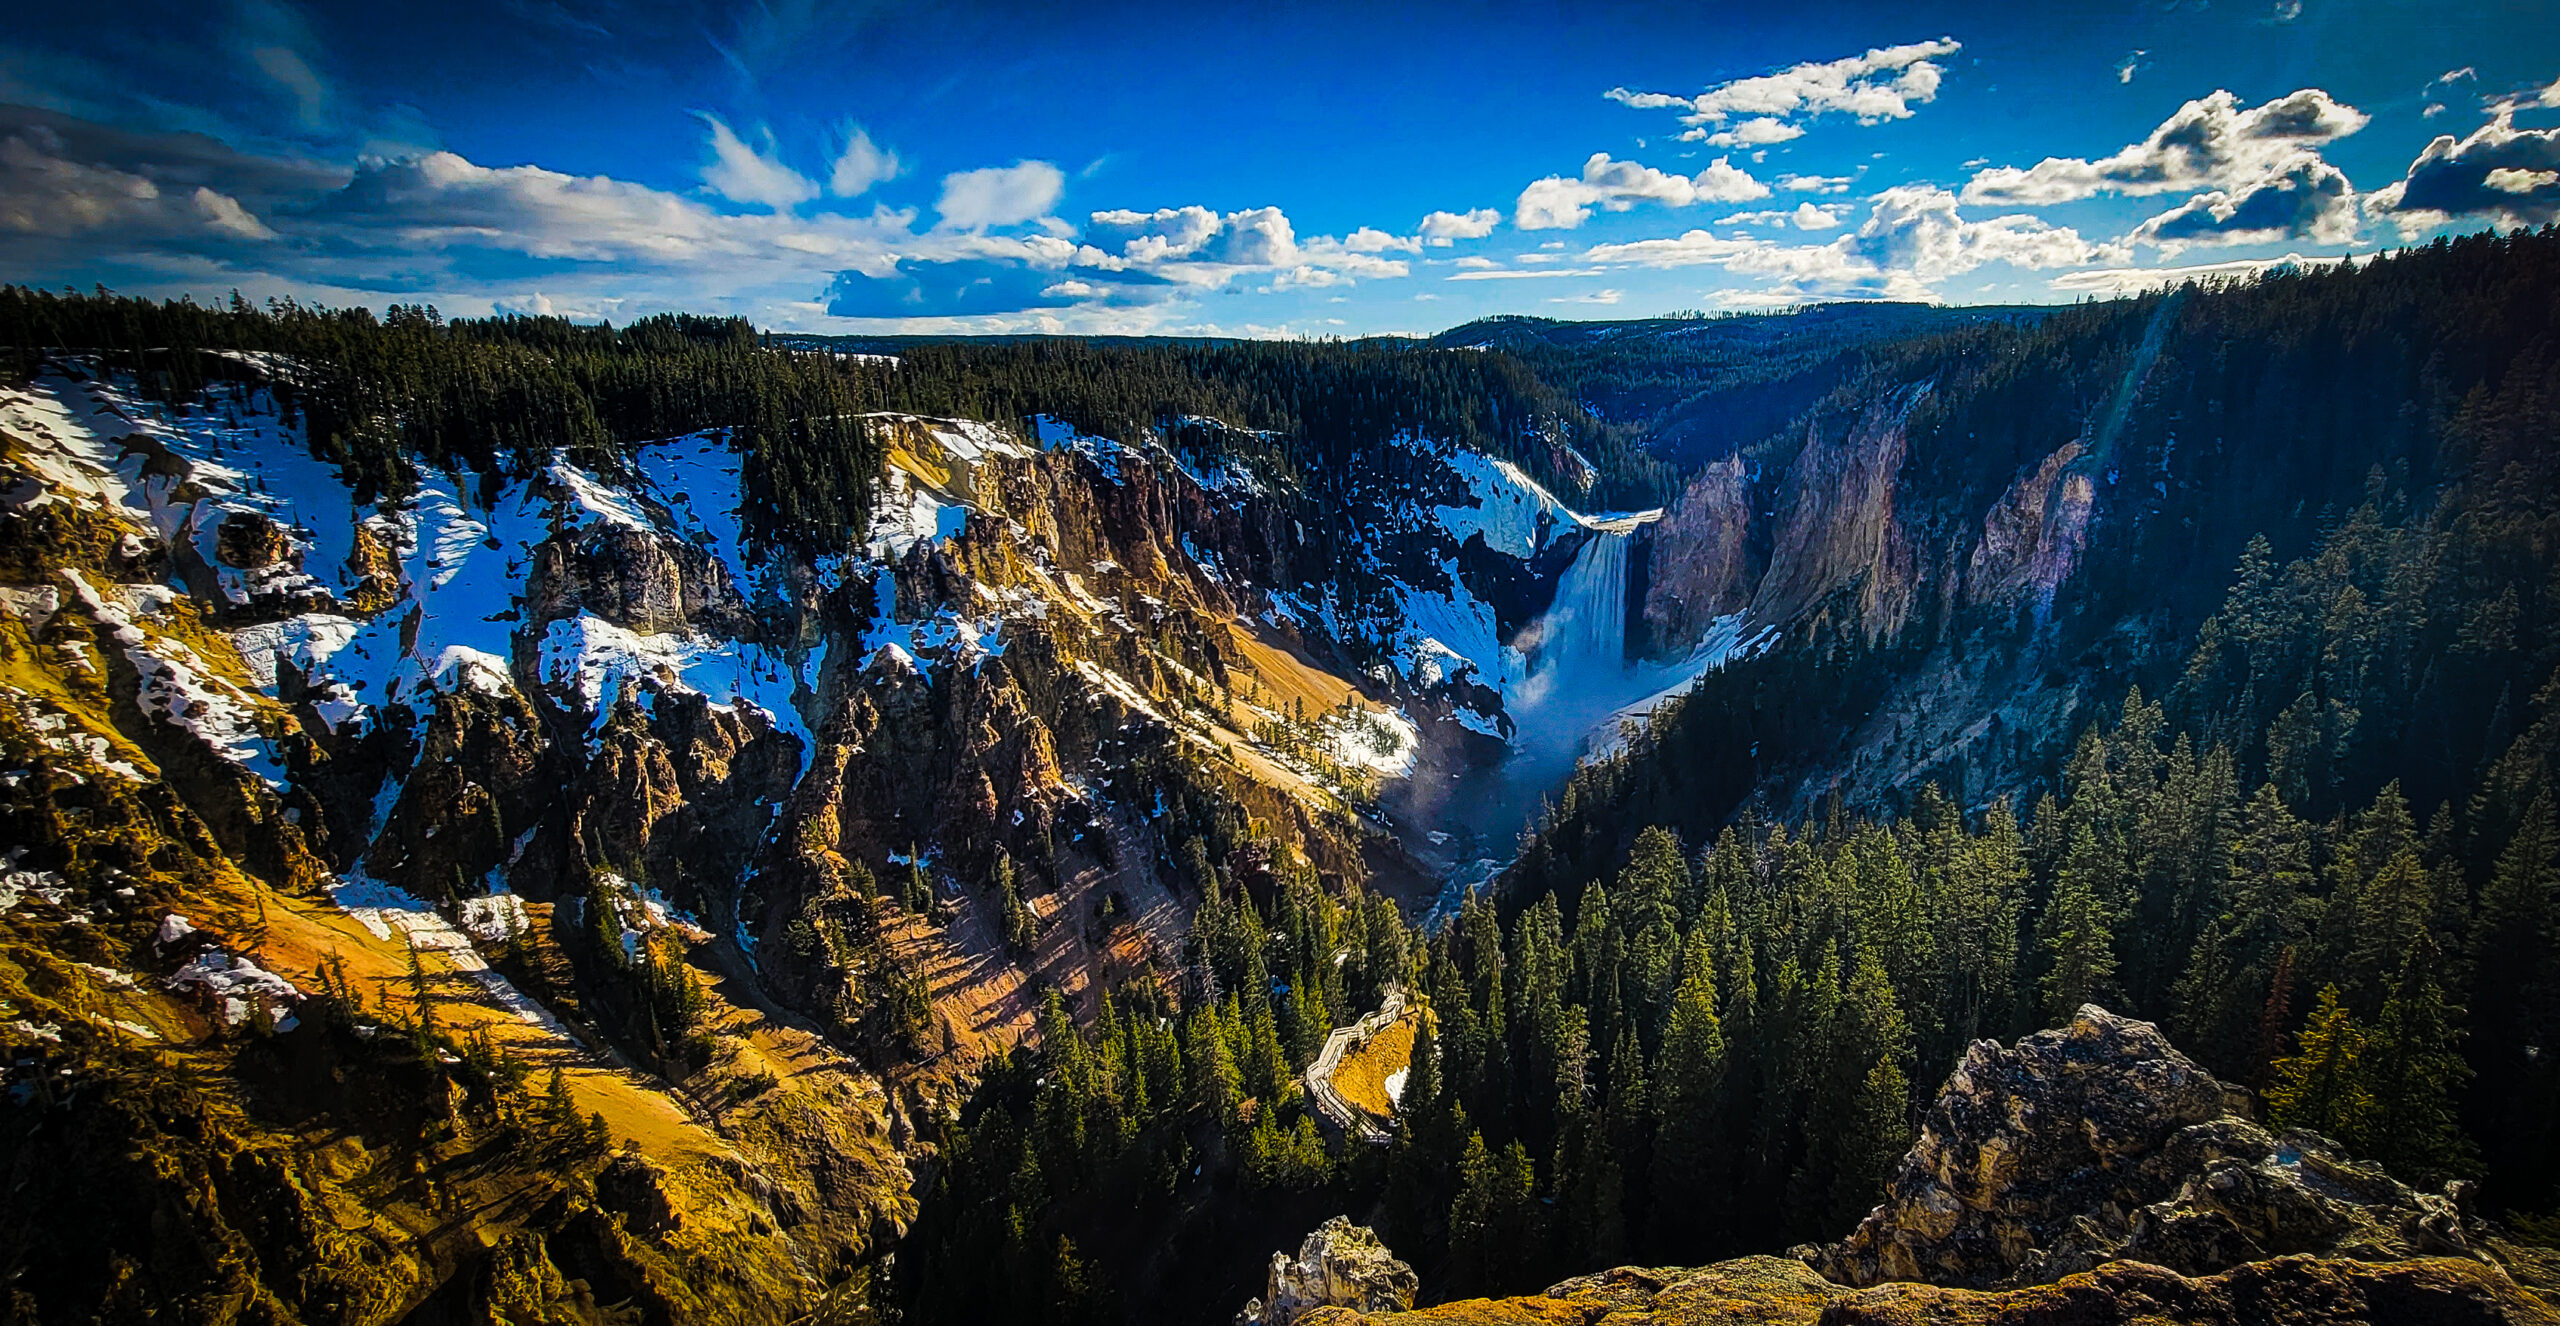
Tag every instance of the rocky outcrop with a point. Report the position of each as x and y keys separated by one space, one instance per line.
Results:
x=2026 y=1147
x=637 y=579
x=2099 y=1141
x=2288 y=1291
x=1771 y=1291
x=484 y=773
x=2032 y=536
x=2089 y=1175
x=1341 y=1265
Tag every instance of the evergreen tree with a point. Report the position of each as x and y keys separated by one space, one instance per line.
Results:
x=2077 y=935
x=1687 y=1102
x=2322 y=1087
x=2266 y=910
x=2414 y=1073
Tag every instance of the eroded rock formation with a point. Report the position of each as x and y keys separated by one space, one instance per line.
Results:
x=2098 y=1141
x=1341 y=1265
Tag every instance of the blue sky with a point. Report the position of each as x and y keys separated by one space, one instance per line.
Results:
x=1261 y=170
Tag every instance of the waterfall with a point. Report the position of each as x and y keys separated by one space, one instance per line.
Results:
x=1585 y=631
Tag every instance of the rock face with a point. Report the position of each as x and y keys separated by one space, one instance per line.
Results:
x=2098 y=1141
x=2330 y=1291
x=1700 y=567
x=1770 y=1291
x=1341 y=1265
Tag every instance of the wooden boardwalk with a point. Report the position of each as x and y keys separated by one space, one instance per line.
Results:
x=1341 y=1113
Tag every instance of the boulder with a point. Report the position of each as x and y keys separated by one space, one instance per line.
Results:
x=2099 y=1141
x=1340 y=1265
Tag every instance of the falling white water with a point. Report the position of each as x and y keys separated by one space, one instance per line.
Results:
x=1585 y=629
x=1578 y=678
x=1580 y=687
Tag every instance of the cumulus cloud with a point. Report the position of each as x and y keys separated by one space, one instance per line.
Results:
x=2210 y=143
x=1814 y=183
x=1809 y=217
x=742 y=174
x=2498 y=171
x=1914 y=236
x=1557 y=203
x=1442 y=229
x=1125 y=258
x=47 y=191
x=2304 y=198
x=1369 y=239
x=1758 y=131
x=1000 y=195
x=1916 y=228
x=1194 y=237
x=444 y=200
x=860 y=165
x=1880 y=85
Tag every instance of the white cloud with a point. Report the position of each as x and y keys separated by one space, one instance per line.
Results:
x=861 y=164
x=2210 y=143
x=1441 y=229
x=2131 y=64
x=1916 y=228
x=1198 y=248
x=1758 y=131
x=1913 y=237
x=2499 y=171
x=2509 y=179
x=1556 y=203
x=1595 y=297
x=1000 y=195
x=2303 y=198
x=1477 y=264
x=1877 y=86
x=1815 y=183
x=224 y=213
x=741 y=174
x=1809 y=217
x=1369 y=239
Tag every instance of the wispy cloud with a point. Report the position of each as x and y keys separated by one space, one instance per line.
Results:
x=743 y=173
x=860 y=163
x=1882 y=84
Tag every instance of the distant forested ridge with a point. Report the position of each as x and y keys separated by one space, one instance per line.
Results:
x=387 y=394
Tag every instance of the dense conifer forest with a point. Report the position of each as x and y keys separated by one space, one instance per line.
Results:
x=2315 y=833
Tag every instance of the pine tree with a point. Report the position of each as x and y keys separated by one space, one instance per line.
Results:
x=2265 y=911
x=2323 y=1086
x=919 y=890
x=1687 y=1102
x=2414 y=1072
x=2077 y=935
